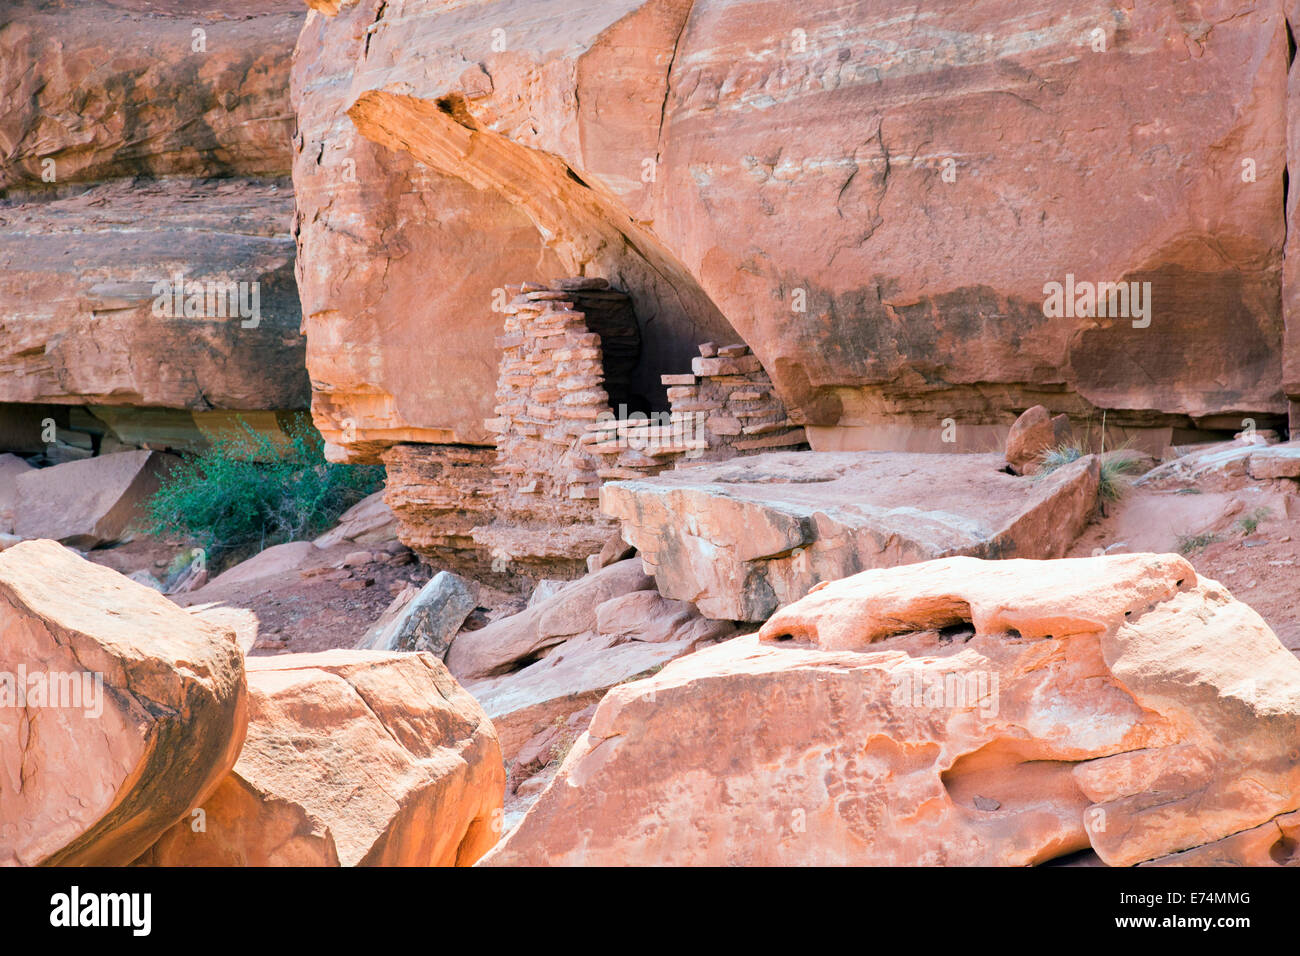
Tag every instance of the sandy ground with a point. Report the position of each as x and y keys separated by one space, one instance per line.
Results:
x=1209 y=523
x=310 y=605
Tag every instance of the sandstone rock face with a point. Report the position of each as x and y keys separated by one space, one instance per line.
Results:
x=741 y=538
x=79 y=287
x=439 y=494
x=353 y=758
x=956 y=712
x=87 y=503
x=102 y=93
x=397 y=353
x=109 y=89
x=132 y=710
x=1291 y=261
x=699 y=156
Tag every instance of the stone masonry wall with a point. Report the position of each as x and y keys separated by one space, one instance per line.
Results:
x=567 y=421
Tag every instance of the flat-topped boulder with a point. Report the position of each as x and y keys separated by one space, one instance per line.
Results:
x=119 y=711
x=740 y=538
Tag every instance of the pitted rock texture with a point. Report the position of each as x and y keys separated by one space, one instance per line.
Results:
x=741 y=538
x=955 y=712
x=106 y=89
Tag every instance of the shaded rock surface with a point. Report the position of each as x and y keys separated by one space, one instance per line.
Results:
x=79 y=286
x=142 y=710
x=87 y=503
x=946 y=713
x=139 y=141
x=739 y=539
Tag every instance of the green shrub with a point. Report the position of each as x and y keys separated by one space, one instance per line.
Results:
x=1189 y=544
x=247 y=493
x=1114 y=470
x=1250 y=522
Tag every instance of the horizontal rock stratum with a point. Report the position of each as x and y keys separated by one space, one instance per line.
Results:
x=131 y=710
x=742 y=537
x=876 y=203
x=140 y=142
x=953 y=712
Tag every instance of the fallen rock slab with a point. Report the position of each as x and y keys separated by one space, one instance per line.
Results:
x=369 y=521
x=1276 y=461
x=505 y=645
x=87 y=503
x=1231 y=462
x=353 y=758
x=119 y=711
x=277 y=560
x=955 y=712
x=633 y=634
x=739 y=539
x=430 y=620
x=11 y=466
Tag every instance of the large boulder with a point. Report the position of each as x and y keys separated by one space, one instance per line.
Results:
x=87 y=503
x=1034 y=433
x=353 y=758
x=740 y=538
x=119 y=712
x=729 y=164
x=956 y=712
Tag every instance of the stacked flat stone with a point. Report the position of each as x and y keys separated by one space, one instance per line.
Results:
x=736 y=401
x=567 y=346
x=438 y=494
x=550 y=389
x=568 y=355
x=726 y=406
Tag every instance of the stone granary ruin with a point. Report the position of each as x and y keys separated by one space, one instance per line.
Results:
x=568 y=418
